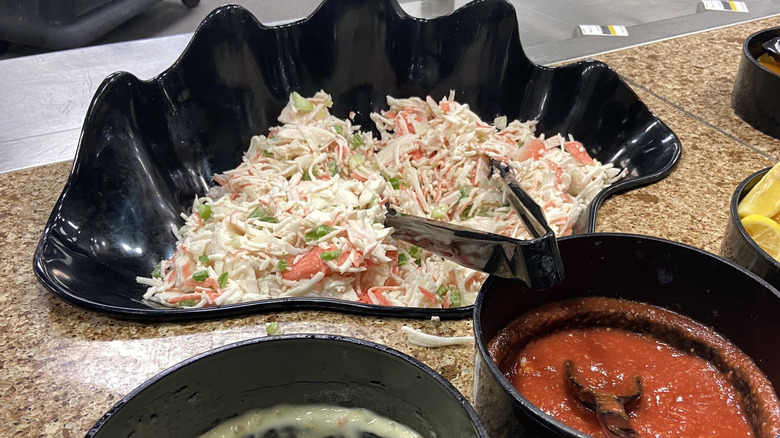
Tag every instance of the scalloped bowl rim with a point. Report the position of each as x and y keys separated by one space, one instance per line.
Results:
x=154 y=313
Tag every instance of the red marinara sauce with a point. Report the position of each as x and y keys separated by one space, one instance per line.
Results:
x=611 y=340
x=682 y=395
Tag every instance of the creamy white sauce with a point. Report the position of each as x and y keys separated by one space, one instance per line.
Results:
x=311 y=421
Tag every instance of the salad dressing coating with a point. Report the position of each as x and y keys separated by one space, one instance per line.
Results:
x=303 y=214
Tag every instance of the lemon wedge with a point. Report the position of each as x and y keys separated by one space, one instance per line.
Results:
x=765 y=232
x=764 y=198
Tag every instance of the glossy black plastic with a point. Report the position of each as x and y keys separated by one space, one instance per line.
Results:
x=756 y=89
x=739 y=247
x=149 y=147
x=201 y=392
x=683 y=279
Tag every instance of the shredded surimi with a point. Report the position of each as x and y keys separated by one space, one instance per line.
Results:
x=303 y=214
x=422 y=339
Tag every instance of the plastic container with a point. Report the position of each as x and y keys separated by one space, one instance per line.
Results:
x=699 y=285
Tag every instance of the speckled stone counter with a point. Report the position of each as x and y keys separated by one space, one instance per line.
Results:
x=61 y=367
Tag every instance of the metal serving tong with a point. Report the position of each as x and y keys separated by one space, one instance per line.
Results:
x=535 y=262
x=773 y=48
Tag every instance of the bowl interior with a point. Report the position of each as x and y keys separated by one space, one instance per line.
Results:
x=194 y=396
x=149 y=147
x=683 y=279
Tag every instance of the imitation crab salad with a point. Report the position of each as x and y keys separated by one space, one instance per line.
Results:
x=303 y=214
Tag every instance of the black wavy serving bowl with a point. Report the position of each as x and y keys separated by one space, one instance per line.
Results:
x=756 y=94
x=713 y=291
x=739 y=247
x=149 y=147
x=203 y=391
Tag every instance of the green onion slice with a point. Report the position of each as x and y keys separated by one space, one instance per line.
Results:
x=222 y=280
x=301 y=103
x=331 y=255
x=204 y=211
x=200 y=275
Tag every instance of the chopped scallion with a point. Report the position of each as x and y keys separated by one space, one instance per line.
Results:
x=394 y=182
x=466 y=212
x=187 y=303
x=333 y=168
x=273 y=328
x=331 y=255
x=455 y=298
x=258 y=212
x=301 y=103
x=356 y=161
x=204 y=211
x=262 y=214
x=320 y=231
x=222 y=280
x=439 y=212
x=282 y=265
x=357 y=141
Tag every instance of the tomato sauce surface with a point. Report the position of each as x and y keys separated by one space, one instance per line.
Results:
x=682 y=395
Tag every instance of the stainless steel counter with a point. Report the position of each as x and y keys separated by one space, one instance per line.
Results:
x=44 y=98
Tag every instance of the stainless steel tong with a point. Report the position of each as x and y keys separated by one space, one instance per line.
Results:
x=535 y=262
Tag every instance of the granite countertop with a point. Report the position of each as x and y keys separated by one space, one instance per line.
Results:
x=62 y=367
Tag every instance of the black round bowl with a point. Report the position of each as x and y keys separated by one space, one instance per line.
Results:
x=756 y=94
x=739 y=247
x=199 y=393
x=680 y=278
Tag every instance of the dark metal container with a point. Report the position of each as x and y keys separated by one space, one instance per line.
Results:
x=739 y=247
x=199 y=393
x=756 y=94
x=702 y=286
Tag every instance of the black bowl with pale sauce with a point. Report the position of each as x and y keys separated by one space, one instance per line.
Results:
x=704 y=287
x=194 y=396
